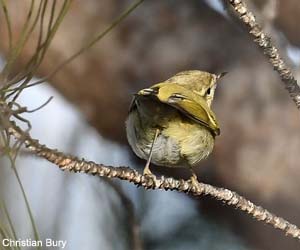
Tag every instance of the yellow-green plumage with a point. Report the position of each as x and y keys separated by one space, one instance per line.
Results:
x=180 y=109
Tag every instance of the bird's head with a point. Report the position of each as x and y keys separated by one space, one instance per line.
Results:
x=200 y=82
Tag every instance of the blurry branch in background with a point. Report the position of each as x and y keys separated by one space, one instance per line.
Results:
x=265 y=43
x=13 y=85
x=136 y=243
x=74 y=164
x=35 y=20
x=93 y=41
x=31 y=67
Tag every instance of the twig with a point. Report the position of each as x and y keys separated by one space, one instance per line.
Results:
x=91 y=43
x=265 y=43
x=74 y=164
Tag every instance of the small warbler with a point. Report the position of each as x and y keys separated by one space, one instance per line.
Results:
x=171 y=123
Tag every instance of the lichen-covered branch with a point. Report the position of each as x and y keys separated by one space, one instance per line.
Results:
x=265 y=43
x=73 y=164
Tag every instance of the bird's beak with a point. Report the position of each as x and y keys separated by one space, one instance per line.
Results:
x=221 y=75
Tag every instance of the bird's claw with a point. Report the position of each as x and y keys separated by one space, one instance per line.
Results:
x=147 y=172
x=194 y=180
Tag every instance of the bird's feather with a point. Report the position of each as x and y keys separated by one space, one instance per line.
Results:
x=188 y=102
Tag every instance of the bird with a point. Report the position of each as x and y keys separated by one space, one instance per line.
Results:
x=172 y=124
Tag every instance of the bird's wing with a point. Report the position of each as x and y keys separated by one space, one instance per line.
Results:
x=189 y=103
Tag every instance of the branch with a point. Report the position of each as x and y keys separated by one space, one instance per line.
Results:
x=74 y=164
x=265 y=43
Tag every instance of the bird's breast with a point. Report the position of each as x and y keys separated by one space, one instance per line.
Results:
x=181 y=142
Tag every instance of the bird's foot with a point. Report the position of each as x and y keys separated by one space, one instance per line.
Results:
x=149 y=176
x=147 y=172
x=194 y=180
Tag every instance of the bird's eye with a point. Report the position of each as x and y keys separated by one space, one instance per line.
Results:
x=208 y=91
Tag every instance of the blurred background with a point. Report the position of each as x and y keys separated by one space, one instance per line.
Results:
x=256 y=155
